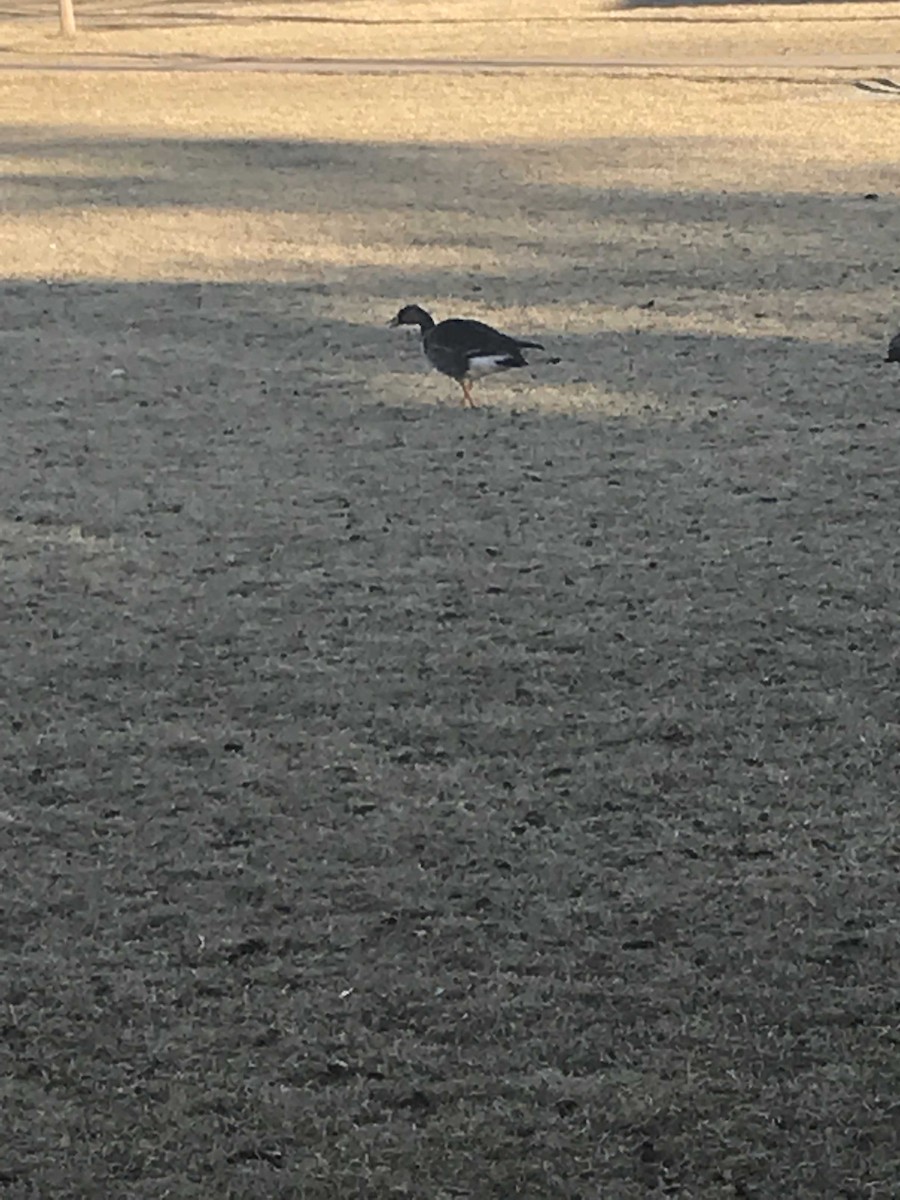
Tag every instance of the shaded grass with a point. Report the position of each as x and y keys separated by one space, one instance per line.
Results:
x=398 y=799
x=404 y=801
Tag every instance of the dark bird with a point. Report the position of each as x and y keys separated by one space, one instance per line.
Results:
x=893 y=354
x=463 y=349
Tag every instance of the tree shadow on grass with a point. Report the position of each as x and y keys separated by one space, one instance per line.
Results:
x=678 y=301
x=379 y=774
x=302 y=676
x=493 y=221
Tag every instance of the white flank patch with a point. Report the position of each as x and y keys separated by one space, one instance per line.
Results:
x=487 y=364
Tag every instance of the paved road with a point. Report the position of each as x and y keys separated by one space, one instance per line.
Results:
x=782 y=64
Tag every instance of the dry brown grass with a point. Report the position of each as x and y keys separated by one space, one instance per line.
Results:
x=145 y=178
x=576 y=131
x=464 y=29
x=403 y=801
x=815 y=134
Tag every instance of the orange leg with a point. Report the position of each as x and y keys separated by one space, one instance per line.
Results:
x=467 y=394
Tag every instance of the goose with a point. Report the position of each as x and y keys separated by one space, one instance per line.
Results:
x=464 y=349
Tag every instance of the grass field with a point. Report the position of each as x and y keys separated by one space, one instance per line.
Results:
x=458 y=29
x=398 y=800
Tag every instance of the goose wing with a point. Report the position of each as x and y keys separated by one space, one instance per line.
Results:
x=474 y=339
